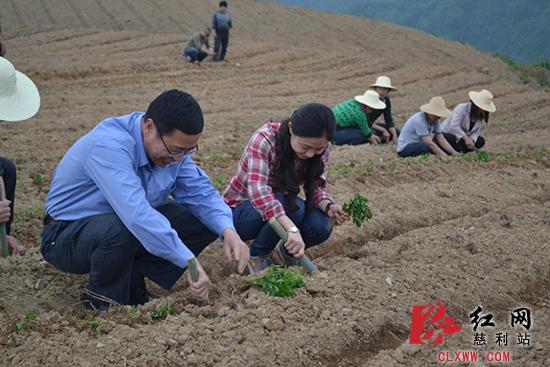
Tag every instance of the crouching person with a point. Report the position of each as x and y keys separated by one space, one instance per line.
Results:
x=109 y=213
x=280 y=158
x=422 y=132
x=462 y=130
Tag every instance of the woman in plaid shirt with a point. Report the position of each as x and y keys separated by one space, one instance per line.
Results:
x=280 y=158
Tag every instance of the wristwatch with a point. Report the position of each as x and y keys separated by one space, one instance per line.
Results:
x=292 y=229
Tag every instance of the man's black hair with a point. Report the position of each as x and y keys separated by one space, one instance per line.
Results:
x=223 y=3
x=175 y=110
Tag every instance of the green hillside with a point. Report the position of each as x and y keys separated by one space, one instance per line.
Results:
x=517 y=28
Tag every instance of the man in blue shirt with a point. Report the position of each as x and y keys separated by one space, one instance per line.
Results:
x=221 y=24
x=109 y=213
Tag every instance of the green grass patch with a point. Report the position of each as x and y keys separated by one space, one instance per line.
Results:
x=508 y=61
x=24 y=216
x=38 y=179
x=359 y=210
x=342 y=168
x=478 y=156
x=279 y=282
x=94 y=324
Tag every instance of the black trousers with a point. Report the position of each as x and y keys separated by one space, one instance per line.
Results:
x=117 y=263
x=460 y=146
x=220 y=46
x=9 y=175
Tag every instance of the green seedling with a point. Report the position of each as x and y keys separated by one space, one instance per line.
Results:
x=38 y=179
x=26 y=323
x=359 y=210
x=279 y=282
x=478 y=156
x=133 y=313
x=163 y=311
x=94 y=324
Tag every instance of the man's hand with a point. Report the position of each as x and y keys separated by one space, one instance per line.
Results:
x=373 y=139
x=18 y=250
x=295 y=245
x=5 y=211
x=336 y=213
x=235 y=249
x=201 y=288
x=394 y=136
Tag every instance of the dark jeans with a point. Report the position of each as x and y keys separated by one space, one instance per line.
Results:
x=460 y=146
x=249 y=224
x=416 y=149
x=194 y=54
x=385 y=126
x=220 y=45
x=117 y=263
x=9 y=175
x=352 y=136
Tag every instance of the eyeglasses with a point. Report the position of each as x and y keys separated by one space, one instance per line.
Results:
x=179 y=154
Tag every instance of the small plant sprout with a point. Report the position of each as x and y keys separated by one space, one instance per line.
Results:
x=163 y=311
x=359 y=210
x=478 y=156
x=26 y=322
x=279 y=282
x=38 y=179
x=94 y=324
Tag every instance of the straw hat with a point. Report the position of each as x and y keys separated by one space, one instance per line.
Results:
x=371 y=99
x=483 y=100
x=436 y=107
x=383 y=82
x=19 y=98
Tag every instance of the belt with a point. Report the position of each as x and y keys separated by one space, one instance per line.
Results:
x=47 y=219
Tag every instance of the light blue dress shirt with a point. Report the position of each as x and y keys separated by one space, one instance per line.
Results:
x=107 y=170
x=415 y=128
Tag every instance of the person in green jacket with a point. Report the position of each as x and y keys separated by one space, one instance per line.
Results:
x=352 y=122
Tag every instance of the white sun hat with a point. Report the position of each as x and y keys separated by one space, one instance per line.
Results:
x=483 y=100
x=436 y=107
x=19 y=98
x=371 y=99
x=383 y=82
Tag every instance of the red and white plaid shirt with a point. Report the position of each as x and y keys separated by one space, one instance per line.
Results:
x=254 y=178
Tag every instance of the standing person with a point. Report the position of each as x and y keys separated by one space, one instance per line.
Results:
x=19 y=100
x=198 y=47
x=353 y=125
x=279 y=158
x=416 y=136
x=109 y=212
x=221 y=24
x=462 y=129
x=387 y=130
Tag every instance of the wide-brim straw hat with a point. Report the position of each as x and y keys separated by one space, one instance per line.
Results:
x=383 y=82
x=436 y=107
x=19 y=98
x=483 y=99
x=371 y=99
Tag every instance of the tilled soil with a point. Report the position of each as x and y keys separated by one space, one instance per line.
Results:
x=463 y=232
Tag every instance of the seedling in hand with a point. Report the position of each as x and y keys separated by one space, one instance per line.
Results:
x=359 y=210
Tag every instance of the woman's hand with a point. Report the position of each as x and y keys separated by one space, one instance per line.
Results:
x=295 y=245
x=336 y=213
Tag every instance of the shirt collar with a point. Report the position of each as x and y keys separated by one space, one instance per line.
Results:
x=143 y=160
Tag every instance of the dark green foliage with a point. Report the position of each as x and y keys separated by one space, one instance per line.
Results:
x=359 y=209
x=279 y=282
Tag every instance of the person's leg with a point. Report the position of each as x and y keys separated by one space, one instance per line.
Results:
x=459 y=145
x=8 y=172
x=249 y=225
x=224 y=44
x=315 y=227
x=201 y=56
x=415 y=149
x=191 y=54
x=480 y=142
x=351 y=136
x=217 y=44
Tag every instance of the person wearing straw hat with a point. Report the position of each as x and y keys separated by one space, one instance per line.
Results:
x=19 y=100
x=386 y=130
x=462 y=129
x=353 y=125
x=416 y=136
x=128 y=202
